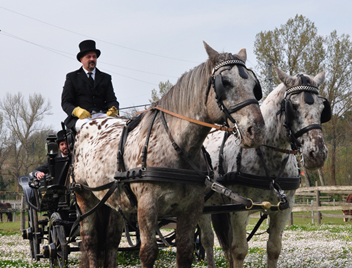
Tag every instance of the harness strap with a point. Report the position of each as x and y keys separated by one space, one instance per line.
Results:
x=306 y=129
x=160 y=174
x=284 y=151
x=273 y=184
x=219 y=188
x=180 y=152
x=221 y=154
x=145 y=149
x=223 y=128
x=260 y=182
x=130 y=125
x=112 y=185
x=255 y=229
x=239 y=106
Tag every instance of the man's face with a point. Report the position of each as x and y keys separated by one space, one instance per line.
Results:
x=89 y=61
x=63 y=148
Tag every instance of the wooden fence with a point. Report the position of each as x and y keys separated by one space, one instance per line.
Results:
x=319 y=199
x=307 y=199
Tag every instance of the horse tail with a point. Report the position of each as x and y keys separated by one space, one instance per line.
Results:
x=223 y=230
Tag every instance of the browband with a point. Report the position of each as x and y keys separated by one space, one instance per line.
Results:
x=295 y=89
x=227 y=62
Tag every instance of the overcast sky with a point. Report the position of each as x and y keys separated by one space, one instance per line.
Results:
x=142 y=42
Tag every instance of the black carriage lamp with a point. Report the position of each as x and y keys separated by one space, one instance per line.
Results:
x=52 y=148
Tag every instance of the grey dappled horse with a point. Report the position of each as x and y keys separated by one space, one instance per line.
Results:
x=96 y=148
x=293 y=107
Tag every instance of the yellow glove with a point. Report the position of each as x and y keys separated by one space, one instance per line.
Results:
x=81 y=113
x=112 y=111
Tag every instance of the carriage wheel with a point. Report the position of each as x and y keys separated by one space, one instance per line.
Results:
x=57 y=241
x=199 y=250
x=34 y=239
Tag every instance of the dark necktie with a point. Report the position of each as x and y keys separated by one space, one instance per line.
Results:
x=91 y=80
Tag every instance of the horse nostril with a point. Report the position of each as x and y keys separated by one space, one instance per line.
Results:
x=250 y=131
x=312 y=154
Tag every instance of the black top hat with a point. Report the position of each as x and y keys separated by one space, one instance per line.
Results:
x=85 y=47
x=61 y=136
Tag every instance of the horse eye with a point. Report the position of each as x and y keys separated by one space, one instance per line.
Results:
x=226 y=83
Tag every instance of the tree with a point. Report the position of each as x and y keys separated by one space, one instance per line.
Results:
x=296 y=47
x=337 y=89
x=163 y=88
x=23 y=121
x=4 y=151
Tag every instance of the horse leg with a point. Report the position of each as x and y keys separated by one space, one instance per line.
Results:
x=239 y=246
x=223 y=230
x=147 y=221
x=89 y=236
x=186 y=225
x=277 y=224
x=207 y=239
x=111 y=223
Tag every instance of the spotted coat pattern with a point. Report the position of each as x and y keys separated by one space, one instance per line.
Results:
x=313 y=150
x=95 y=163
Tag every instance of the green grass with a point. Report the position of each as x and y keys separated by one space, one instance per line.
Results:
x=303 y=221
x=7 y=228
x=167 y=256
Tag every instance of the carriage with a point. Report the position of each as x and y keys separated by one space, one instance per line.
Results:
x=148 y=168
x=52 y=228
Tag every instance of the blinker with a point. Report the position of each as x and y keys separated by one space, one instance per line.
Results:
x=219 y=87
x=242 y=73
x=308 y=98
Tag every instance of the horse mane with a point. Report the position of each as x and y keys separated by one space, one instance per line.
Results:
x=187 y=89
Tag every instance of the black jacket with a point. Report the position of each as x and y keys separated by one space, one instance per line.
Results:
x=45 y=167
x=79 y=92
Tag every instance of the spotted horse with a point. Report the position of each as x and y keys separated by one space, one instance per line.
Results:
x=269 y=175
x=161 y=170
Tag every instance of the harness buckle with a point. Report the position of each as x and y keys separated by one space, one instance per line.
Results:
x=74 y=186
x=252 y=204
x=236 y=132
x=300 y=160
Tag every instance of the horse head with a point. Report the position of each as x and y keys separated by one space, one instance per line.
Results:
x=346 y=212
x=232 y=96
x=304 y=112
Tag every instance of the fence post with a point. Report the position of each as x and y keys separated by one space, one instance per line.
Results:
x=14 y=213
x=23 y=213
x=318 y=203
x=312 y=213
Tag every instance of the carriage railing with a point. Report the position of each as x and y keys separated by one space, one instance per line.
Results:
x=43 y=195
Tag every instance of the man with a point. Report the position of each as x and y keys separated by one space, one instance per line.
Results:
x=61 y=141
x=87 y=92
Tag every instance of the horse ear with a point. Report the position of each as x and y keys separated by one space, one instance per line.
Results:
x=243 y=54
x=285 y=78
x=319 y=78
x=211 y=52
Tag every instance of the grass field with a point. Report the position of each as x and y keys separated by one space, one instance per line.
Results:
x=304 y=245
